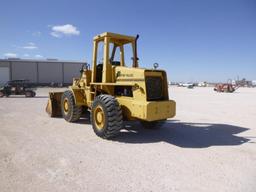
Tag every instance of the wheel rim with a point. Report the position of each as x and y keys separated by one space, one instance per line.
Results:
x=99 y=117
x=65 y=106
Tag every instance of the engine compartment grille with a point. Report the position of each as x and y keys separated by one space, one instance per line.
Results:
x=154 y=88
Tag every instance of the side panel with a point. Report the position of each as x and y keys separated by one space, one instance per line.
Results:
x=4 y=75
x=4 y=63
x=50 y=72
x=71 y=70
x=24 y=70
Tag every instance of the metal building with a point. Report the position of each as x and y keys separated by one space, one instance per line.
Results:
x=40 y=72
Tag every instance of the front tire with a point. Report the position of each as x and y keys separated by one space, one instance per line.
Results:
x=70 y=111
x=106 y=116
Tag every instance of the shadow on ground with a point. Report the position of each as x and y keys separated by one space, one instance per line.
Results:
x=187 y=135
x=85 y=118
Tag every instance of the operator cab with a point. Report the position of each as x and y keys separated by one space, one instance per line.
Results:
x=109 y=49
x=114 y=59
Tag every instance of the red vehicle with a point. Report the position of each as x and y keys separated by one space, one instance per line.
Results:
x=225 y=87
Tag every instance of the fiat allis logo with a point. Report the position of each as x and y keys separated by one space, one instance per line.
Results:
x=119 y=74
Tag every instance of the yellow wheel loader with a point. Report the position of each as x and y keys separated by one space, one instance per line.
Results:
x=113 y=91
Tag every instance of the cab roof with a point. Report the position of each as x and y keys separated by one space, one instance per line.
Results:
x=115 y=36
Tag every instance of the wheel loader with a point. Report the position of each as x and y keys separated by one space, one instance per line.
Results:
x=112 y=91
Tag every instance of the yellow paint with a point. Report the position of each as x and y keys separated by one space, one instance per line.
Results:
x=86 y=88
x=65 y=105
x=99 y=117
x=147 y=110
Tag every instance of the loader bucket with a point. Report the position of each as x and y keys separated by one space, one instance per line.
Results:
x=53 y=107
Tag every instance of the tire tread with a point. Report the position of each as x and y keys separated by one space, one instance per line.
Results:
x=76 y=111
x=114 y=116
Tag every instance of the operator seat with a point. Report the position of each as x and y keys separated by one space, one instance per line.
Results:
x=99 y=69
x=115 y=63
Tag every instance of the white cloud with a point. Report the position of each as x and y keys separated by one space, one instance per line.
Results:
x=38 y=56
x=55 y=34
x=11 y=55
x=64 y=30
x=30 y=46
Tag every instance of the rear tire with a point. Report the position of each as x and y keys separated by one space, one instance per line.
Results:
x=106 y=116
x=1 y=94
x=33 y=94
x=70 y=111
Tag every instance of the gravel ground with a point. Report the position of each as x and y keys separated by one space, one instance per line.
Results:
x=208 y=146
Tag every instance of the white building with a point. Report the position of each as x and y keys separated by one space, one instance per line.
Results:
x=40 y=72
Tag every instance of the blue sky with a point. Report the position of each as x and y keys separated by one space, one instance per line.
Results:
x=193 y=40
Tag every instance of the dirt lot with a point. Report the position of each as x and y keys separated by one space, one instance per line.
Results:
x=208 y=146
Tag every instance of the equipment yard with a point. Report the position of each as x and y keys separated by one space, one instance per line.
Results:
x=210 y=145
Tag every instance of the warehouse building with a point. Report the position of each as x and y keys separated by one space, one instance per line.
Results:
x=39 y=72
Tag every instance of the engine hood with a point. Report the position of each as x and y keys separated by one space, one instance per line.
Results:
x=132 y=74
